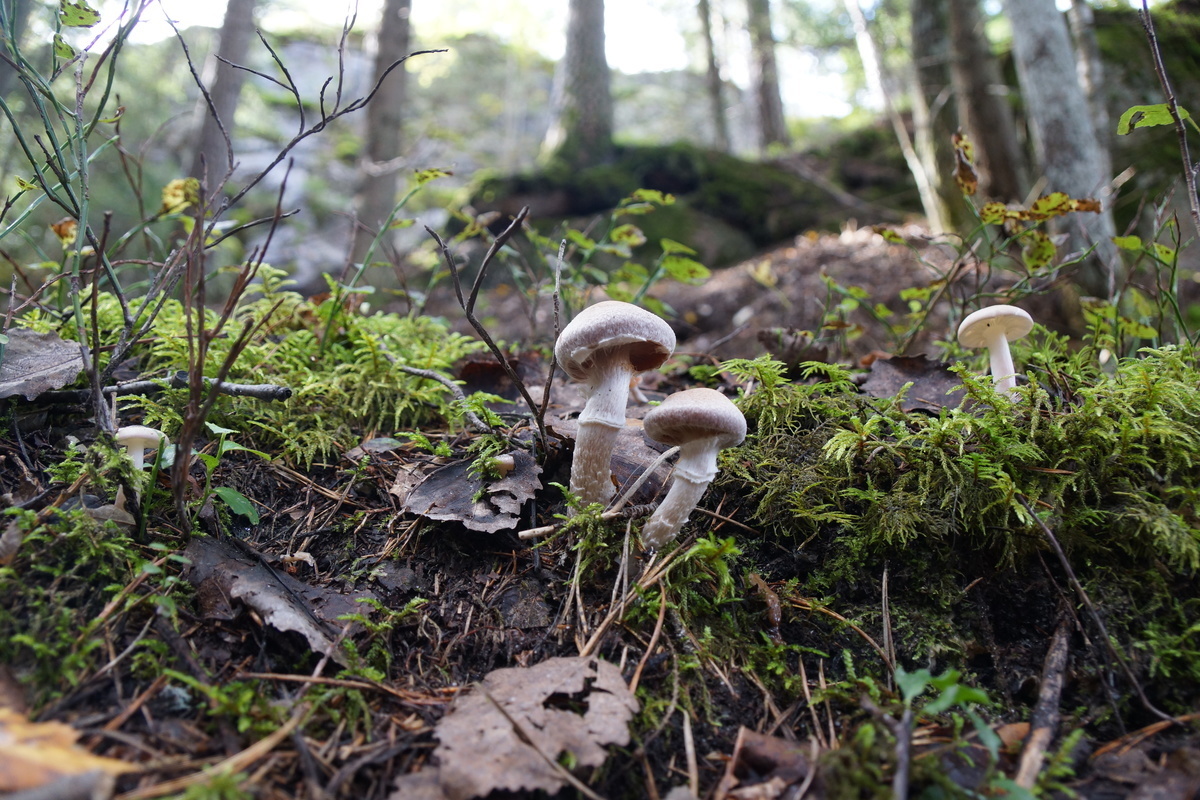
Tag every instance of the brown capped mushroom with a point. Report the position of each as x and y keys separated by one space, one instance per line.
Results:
x=701 y=422
x=604 y=347
x=994 y=327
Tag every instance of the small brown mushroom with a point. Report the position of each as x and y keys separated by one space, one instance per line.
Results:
x=701 y=422
x=604 y=347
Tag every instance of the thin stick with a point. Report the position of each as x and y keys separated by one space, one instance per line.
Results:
x=1044 y=723
x=658 y=626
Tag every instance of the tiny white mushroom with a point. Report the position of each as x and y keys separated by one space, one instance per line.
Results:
x=701 y=422
x=604 y=347
x=135 y=439
x=994 y=327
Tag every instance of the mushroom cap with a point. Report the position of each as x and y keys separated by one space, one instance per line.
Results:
x=644 y=338
x=130 y=435
x=695 y=414
x=1013 y=321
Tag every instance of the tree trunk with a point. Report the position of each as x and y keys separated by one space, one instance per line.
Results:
x=1065 y=144
x=983 y=109
x=716 y=89
x=772 y=129
x=213 y=157
x=877 y=82
x=581 y=134
x=1091 y=77
x=933 y=125
x=379 y=168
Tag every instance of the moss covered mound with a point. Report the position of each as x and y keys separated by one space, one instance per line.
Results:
x=762 y=201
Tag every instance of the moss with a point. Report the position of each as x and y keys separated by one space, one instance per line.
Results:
x=763 y=201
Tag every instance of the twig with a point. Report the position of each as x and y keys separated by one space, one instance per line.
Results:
x=629 y=512
x=658 y=626
x=454 y=389
x=1044 y=724
x=902 y=730
x=1189 y=169
x=1087 y=603
x=468 y=307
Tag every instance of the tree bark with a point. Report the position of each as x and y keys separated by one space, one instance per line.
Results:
x=983 y=109
x=933 y=125
x=581 y=134
x=772 y=128
x=1090 y=69
x=1065 y=144
x=379 y=167
x=716 y=88
x=877 y=82
x=213 y=157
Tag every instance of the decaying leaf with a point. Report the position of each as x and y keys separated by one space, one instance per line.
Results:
x=930 y=379
x=221 y=573
x=451 y=493
x=508 y=733
x=34 y=363
x=765 y=767
x=33 y=754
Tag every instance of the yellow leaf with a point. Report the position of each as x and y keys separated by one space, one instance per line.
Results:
x=33 y=754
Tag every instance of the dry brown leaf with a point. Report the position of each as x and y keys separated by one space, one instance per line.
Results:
x=34 y=363
x=451 y=493
x=499 y=735
x=33 y=754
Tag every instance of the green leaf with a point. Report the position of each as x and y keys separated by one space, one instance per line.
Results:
x=218 y=430
x=77 y=14
x=912 y=684
x=1148 y=117
x=1038 y=251
x=890 y=235
x=627 y=234
x=238 y=503
x=1128 y=242
x=685 y=270
x=578 y=239
x=1163 y=253
x=25 y=186
x=652 y=196
x=670 y=246
x=62 y=49
x=424 y=176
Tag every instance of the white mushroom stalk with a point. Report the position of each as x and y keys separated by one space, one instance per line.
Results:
x=994 y=327
x=605 y=346
x=701 y=422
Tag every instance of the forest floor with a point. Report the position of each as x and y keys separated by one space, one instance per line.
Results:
x=421 y=598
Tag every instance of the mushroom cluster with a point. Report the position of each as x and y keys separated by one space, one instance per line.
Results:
x=606 y=347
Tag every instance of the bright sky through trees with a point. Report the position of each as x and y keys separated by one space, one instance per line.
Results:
x=641 y=36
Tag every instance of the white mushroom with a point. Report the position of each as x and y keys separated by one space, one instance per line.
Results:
x=135 y=439
x=604 y=347
x=701 y=422
x=994 y=327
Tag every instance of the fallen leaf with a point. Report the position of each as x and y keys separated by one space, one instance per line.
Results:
x=450 y=493
x=220 y=572
x=499 y=735
x=931 y=382
x=34 y=363
x=33 y=754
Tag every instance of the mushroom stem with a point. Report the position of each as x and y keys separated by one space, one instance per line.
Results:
x=1004 y=374
x=696 y=468
x=600 y=422
x=137 y=454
